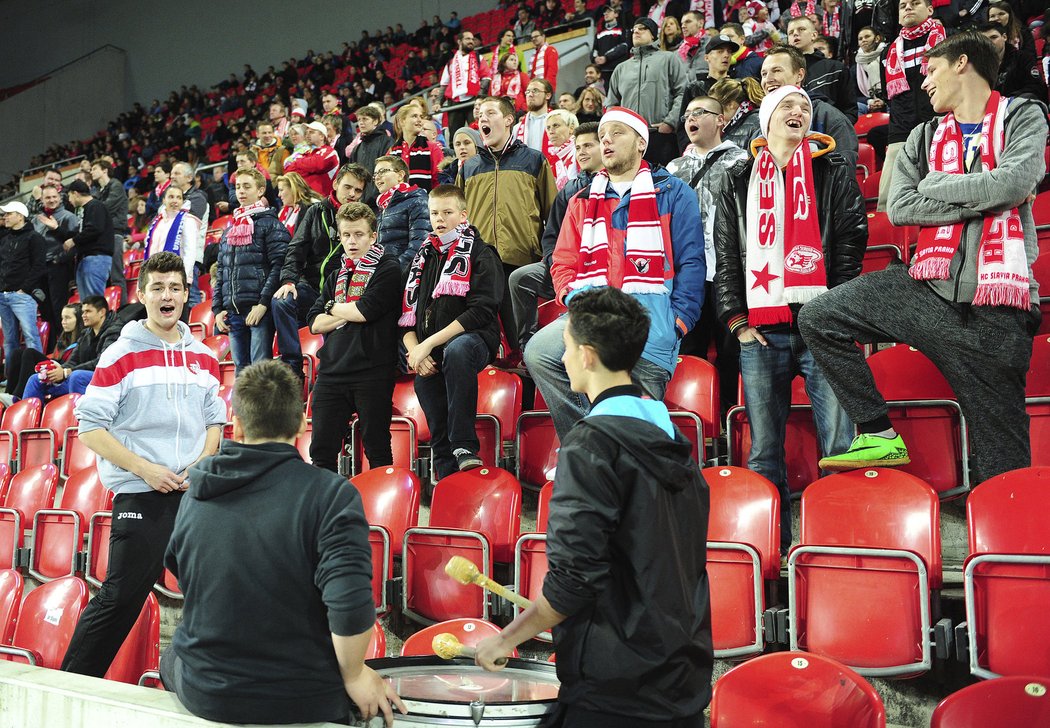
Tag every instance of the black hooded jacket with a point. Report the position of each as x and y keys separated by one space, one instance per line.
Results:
x=272 y=556
x=626 y=548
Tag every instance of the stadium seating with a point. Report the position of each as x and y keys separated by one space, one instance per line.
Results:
x=866 y=161
x=11 y=586
x=795 y=690
x=140 y=652
x=537 y=448
x=22 y=415
x=1037 y=399
x=46 y=621
x=202 y=321
x=693 y=401
x=867 y=122
x=376 y=643
x=58 y=533
x=887 y=242
x=1008 y=702
x=865 y=533
x=475 y=514
x=29 y=491
x=1006 y=577
x=499 y=406
x=43 y=444
x=743 y=554
x=530 y=554
x=75 y=455
x=468 y=631
x=219 y=345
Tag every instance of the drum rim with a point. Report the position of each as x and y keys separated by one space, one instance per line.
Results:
x=538 y=666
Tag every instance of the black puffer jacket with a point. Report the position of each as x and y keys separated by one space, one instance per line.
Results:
x=404 y=225
x=840 y=212
x=249 y=274
x=314 y=251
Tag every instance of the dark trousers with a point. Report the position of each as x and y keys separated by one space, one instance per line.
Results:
x=289 y=314
x=727 y=349
x=142 y=525
x=59 y=276
x=335 y=400
x=506 y=309
x=983 y=352
x=450 y=400
x=662 y=148
x=116 y=271
x=21 y=367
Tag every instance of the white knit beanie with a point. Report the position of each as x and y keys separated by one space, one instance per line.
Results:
x=772 y=101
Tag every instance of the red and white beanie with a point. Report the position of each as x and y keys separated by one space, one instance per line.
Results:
x=628 y=117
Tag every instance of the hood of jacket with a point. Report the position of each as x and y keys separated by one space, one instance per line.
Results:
x=137 y=332
x=400 y=196
x=819 y=144
x=236 y=466
x=670 y=462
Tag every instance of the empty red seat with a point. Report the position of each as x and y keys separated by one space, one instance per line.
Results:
x=867 y=122
x=75 y=455
x=22 y=415
x=537 y=447
x=863 y=577
x=693 y=400
x=530 y=555
x=29 y=491
x=140 y=652
x=795 y=690
x=1037 y=400
x=475 y=514
x=202 y=321
x=469 y=632
x=548 y=312
x=376 y=643
x=112 y=294
x=866 y=161
x=41 y=445
x=11 y=586
x=1008 y=702
x=46 y=621
x=887 y=242
x=58 y=533
x=1006 y=577
x=218 y=344
x=499 y=406
x=743 y=553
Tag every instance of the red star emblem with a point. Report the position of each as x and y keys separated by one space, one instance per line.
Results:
x=763 y=278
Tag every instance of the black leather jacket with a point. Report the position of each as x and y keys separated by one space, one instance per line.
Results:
x=843 y=229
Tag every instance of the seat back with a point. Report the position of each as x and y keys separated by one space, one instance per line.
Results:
x=795 y=690
x=11 y=585
x=23 y=414
x=543 y=509
x=537 y=447
x=468 y=631
x=407 y=405
x=202 y=320
x=1006 y=702
x=1037 y=398
x=391 y=499
x=140 y=651
x=499 y=395
x=1007 y=513
x=376 y=643
x=548 y=312
x=58 y=535
x=48 y=616
x=745 y=508
x=219 y=345
x=75 y=454
x=694 y=388
x=867 y=122
x=29 y=491
x=43 y=445
x=485 y=500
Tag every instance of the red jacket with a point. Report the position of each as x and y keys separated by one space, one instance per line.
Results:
x=550 y=65
x=317 y=168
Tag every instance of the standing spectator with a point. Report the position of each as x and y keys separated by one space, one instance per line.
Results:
x=550 y=14
x=611 y=46
x=660 y=10
x=836 y=24
x=793 y=246
x=509 y=80
x=161 y=180
x=758 y=28
x=670 y=34
x=279 y=117
x=609 y=238
x=371 y=143
x=869 y=71
x=175 y=230
x=404 y=218
x=92 y=243
x=825 y=77
x=251 y=253
x=463 y=78
x=22 y=251
x=718 y=55
x=465 y=144
x=651 y=84
x=691 y=49
x=532 y=129
x=196 y=202
x=268 y=149
x=450 y=327
x=544 y=60
x=1019 y=74
x=591 y=103
x=136 y=455
x=746 y=62
x=903 y=72
x=524 y=25
x=592 y=78
x=318 y=166
x=357 y=313
x=969 y=300
x=56 y=224
x=52 y=177
x=111 y=194
x=421 y=156
x=561 y=153
x=295 y=196
x=506 y=45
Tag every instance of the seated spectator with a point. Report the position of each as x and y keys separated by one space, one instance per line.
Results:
x=318 y=165
x=295 y=196
x=101 y=328
x=371 y=143
x=510 y=81
x=465 y=144
x=357 y=313
x=421 y=155
x=404 y=218
x=268 y=148
x=505 y=45
x=561 y=148
x=567 y=101
x=236 y=657
x=296 y=143
x=592 y=78
x=178 y=231
x=25 y=361
x=251 y=254
x=450 y=327
x=745 y=61
x=740 y=101
x=1019 y=74
x=524 y=25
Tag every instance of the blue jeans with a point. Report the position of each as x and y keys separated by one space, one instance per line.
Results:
x=77 y=383
x=767 y=372
x=92 y=274
x=450 y=399
x=18 y=311
x=543 y=358
x=288 y=315
x=249 y=344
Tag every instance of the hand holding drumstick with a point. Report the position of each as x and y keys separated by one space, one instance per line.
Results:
x=446 y=646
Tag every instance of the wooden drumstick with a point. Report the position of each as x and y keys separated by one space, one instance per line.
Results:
x=446 y=646
x=465 y=572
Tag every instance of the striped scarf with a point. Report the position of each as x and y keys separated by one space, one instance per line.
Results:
x=354 y=276
x=896 y=78
x=173 y=239
x=243 y=227
x=383 y=200
x=563 y=163
x=644 y=248
x=455 y=275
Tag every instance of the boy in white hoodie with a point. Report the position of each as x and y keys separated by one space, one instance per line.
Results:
x=151 y=411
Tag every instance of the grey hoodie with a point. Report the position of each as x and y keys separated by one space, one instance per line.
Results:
x=157 y=399
x=650 y=83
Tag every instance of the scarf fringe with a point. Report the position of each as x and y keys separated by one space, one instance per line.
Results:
x=931 y=269
x=655 y=288
x=999 y=294
x=407 y=319
x=451 y=288
x=768 y=316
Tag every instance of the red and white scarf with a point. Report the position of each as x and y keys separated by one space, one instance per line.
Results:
x=797 y=10
x=464 y=78
x=160 y=189
x=289 y=215
x=1002 y=263
x=784 y=252
x=644 y=246
x=494 y=61
x=830 y=25
x=242 y=229
x=383 y=200
x=455 y=273
x=506 y=84
x=522 y=128
x=705 y=8
x=658 y=11
x=896 y=79
x=563 y=162
x=354 y=276
x=690 y=44
x=538 y=68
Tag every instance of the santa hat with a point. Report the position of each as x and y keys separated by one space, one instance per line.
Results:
x=772 y=101
x=628 y=117
x=753 y=7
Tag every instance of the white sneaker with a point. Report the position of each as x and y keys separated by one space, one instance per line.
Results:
x=7 y=399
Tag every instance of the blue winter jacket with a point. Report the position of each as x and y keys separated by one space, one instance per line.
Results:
x=250 y=274
x=404 y=225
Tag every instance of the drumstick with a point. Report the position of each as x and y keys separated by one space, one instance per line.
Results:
x=465 y=572
x=446 y=646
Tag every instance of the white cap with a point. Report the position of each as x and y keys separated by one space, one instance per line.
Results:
x=16 y=207
x=628 y=117
x=317 y=126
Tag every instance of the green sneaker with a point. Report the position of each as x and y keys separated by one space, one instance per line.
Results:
x=869 y=451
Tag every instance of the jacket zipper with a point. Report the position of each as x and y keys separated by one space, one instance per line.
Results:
x=495 y=197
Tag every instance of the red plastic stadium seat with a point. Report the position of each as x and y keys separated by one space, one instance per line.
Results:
x=1006 y=578
x=112 y=294
x=886 y=242
x=468 y=631
x=23 y=414
x=99 y=526
x=1008 y=702
x=202 y=320
x=407 y=405
x=548 y=312
x=743 y=552
x=867 y=122
x=795 y=690
x=1037 y=400
x=11 y=585
x=75 y=455
x=530 y=554
x=404 y=444
x=376 y=643
x=693 y=400
x=537 y=447
x=42 y=445
x=46 y=621
x=140 y=652
x=29 y=491
x=499 y=406
x=866 y=161
x=218 y=344
x=866 y=533
x=475 y=514
x=58 y=533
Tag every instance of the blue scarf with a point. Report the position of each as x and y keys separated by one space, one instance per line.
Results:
x=173 y=243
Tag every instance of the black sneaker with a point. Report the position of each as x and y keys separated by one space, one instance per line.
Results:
x=466 y=460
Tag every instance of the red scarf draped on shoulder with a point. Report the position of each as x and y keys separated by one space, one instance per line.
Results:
x=896 y=78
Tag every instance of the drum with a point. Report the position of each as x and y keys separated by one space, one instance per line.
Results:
x=457 y=692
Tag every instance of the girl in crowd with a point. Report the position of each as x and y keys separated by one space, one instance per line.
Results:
x=740 y=101
x=178 y=231
x=295 y=196
x=420 y=154
x=510 y=81
x=589 y=106
x=465 y=144
x=23 y=362
x=670 y=34
x=869 y=70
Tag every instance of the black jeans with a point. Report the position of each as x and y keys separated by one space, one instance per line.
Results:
x=335 y=400
x=142 y=525
x=450 y=399
x=59 y=276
